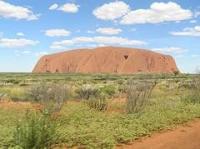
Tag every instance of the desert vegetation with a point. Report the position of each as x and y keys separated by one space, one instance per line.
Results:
x=36 y=130
x=92 y=110
x=138 y=94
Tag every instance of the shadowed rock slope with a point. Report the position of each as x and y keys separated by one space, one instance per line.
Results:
x=106 y=60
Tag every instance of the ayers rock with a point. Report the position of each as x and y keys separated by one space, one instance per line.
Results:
x=106 y=60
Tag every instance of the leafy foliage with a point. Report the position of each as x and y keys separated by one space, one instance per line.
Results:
x=108 y=90
x=36 y=131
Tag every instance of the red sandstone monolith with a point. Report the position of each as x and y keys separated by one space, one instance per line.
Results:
x=106 y=60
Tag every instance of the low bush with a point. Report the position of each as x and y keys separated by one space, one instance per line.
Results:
x=87 y=91
x=194 y=92
x=36 y=131
x=108 y=90
x=52 y=96
x=138 y=94
x=3 y=96
x=99 y=104
x=14 y=93
x=18 y=94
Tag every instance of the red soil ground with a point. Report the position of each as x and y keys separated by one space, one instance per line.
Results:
x=186 y=136
x=183 y=137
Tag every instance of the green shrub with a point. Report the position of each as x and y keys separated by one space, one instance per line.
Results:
x=13 y=81
x=138 y=94
x=186 y=84
x=14 y=93
x=99 y=104
x=120 y=82
x=18 y=94
x=87 y=91
x=36 y=131
x=51 y=95
x=176 y=72
x=3 y=96
x=108 y=90
x=95 y=98
x=37 y=92
x=194 y=92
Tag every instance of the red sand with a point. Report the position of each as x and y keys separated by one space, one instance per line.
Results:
x=106 y=60
x=184 y=137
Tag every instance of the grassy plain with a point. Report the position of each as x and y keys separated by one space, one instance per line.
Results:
x=78 y=125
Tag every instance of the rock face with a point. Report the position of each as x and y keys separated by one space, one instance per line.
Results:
x=106 y=60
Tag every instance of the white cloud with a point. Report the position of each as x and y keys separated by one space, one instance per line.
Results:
x=20 y=52
x=57 y=32
x=61 y=44
x=170 y=50
x=26 y=52
x=20 y=34
x=111 y=11
x=16 y=43
x=90 y=32
x=117 y=40
x=42 y=53
x=195 y=32
x=82 y=39
x=109 y=31
x=157 y=13
x=98 y=40
x=53 y=7
x=8 y=10
x=67 y=7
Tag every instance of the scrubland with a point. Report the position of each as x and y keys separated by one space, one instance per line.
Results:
x=40 y=111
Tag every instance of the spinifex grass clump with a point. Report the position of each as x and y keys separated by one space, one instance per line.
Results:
x=138 y=94
x=36 y=131
x=52 y=96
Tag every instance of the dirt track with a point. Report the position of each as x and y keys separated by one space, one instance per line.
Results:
x=184 y=137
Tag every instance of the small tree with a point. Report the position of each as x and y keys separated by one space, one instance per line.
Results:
x=138 y=94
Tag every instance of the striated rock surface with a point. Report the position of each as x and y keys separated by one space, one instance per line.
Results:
x=106 y=60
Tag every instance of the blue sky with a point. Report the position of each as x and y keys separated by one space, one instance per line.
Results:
x=30 y=29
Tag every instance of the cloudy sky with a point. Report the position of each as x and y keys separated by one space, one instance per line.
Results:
x=31 y=28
